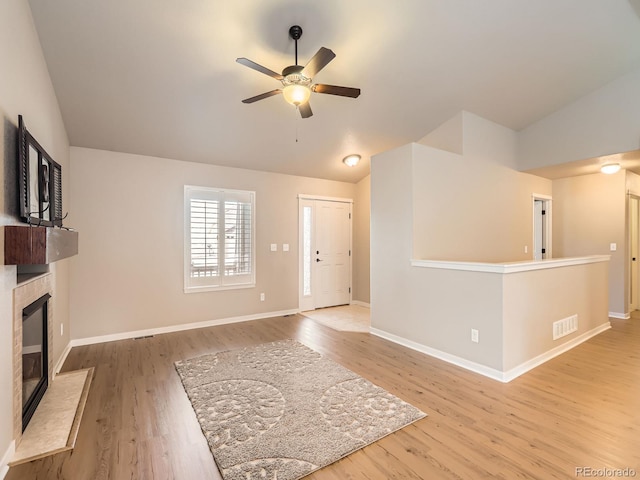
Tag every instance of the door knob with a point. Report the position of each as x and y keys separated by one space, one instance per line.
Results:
x=318 y=260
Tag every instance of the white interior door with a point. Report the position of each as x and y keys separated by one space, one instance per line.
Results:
x=325 y=254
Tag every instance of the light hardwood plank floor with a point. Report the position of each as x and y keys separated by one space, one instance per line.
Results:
x=581 y=409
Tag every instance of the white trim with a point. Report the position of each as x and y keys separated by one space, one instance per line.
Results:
x=362 y=304
x=307 y=302
x=78 y=342
x=447 y=357
x=61 y=360
x=6 y=458
x=492 y=373
x=509 y=267
x=221 y=281
x=547 y=220
x=621 y=316
x=541 y=196
x=554 y=352
x=302 y=196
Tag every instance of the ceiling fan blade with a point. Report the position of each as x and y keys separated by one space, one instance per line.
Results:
x=248 y=63
x=335 y=90
x=305 y=110
x=318 y=62
x=262 y=96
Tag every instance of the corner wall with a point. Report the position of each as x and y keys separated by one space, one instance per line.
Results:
x=128 y=275
x=25 y=88
x=470 y=202
x=434 y=204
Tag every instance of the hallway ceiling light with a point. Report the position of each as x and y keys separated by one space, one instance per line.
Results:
x=610 y=168
x=351 y=160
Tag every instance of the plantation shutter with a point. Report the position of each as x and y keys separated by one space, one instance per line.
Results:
x=219 y=239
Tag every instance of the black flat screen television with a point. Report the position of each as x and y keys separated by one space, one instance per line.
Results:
x=40 y=182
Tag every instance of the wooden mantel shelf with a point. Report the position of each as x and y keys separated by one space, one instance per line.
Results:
x=29 y=245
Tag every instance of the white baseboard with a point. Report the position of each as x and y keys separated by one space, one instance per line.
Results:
x=6 y=458
x=621 y=316
x=78 y=342
x=493 y=373
x=362 y=304
x=63 y=357
x=447 y=357
x=554 y=352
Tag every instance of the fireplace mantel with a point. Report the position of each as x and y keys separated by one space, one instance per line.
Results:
x=31 y=245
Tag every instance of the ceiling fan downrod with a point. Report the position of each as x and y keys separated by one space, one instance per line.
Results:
x=295 y=32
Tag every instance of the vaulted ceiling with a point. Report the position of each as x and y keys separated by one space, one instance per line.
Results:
x=159 y=77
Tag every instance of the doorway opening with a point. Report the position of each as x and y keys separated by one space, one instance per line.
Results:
x=325 y=252
x=541 y=227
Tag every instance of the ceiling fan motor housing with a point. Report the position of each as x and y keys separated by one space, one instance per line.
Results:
x=292 y=76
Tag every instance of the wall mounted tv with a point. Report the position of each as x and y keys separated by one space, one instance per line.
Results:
x=40 y=182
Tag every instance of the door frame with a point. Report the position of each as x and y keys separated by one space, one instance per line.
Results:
x=547 y=202
x=634 y=287
x=306 y=302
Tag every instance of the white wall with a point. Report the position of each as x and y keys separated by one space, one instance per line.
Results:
x=128 y=275
x=604 y=122
x=589 y=213
x=433 y=204
x=25 y=88
x=435 y=308
x=534 y=300
x=362 y=241
x=472 y=206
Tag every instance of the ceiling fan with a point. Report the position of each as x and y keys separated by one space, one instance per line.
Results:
x=297 y=80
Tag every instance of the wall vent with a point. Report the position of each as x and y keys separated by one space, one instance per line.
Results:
x=565 y=326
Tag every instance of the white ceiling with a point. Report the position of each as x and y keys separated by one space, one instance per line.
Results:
x=159 y=77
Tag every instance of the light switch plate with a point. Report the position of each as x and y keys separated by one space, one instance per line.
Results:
x=274 y=247
x=285 y=247
x=613 y=247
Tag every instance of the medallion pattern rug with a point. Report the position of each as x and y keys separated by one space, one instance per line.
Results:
x=281 y=410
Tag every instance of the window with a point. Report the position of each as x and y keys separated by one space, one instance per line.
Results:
x=219 y=239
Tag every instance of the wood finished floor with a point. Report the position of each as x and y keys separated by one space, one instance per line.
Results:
x=579 y=409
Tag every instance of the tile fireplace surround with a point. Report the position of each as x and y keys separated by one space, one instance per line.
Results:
x=23 y=295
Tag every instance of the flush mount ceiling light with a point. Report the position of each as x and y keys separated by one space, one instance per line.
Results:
x=610 y=168
x=297 y=80
x=351 y=160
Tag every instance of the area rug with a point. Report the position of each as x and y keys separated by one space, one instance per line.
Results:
x=281 y=410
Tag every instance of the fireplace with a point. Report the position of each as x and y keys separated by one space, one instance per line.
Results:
x=35 y=375
x=32 y=354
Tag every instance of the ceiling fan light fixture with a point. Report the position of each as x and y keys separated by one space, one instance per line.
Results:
x=351 y=160
x=296 y=94
x=610 y=168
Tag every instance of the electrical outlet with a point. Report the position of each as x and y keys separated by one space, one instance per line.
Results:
x=262 y=297
x=475 y=336
x=526 y=249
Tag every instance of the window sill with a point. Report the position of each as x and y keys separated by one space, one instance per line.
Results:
x=218 y=288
